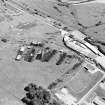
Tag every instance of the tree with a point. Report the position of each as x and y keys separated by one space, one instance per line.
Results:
x=26 y=100
x=30 y=87
x=36 y=95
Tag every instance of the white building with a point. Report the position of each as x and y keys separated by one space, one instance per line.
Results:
x=66 y=97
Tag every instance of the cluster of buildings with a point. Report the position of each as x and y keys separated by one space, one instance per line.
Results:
x=39 y=51
x=34 y=50
x=27 y=52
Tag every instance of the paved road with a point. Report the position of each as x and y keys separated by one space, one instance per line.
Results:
x=91 y=90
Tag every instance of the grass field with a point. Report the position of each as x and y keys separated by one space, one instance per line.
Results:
x=14 y=75
x=82 y=82
x=21 y=27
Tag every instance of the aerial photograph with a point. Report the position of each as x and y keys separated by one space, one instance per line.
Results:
x=52 y=52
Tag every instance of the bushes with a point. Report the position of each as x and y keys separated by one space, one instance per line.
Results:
x=52 y=85
x=61 y=58
x=36 y=95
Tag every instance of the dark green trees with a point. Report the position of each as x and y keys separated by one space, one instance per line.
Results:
x=36 y=95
